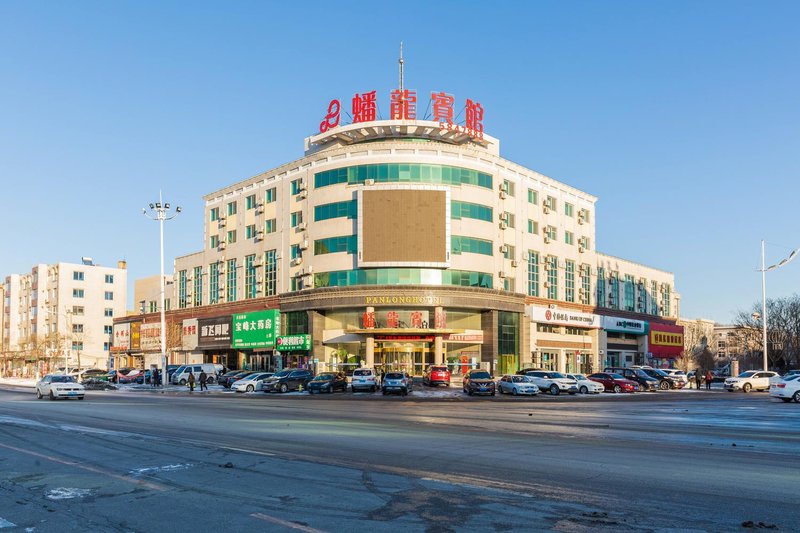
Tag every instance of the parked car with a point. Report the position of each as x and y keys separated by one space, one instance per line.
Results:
x=517 y=385
x=59 y=386
x=94 y=374
x=477 y=381
x=645 y=381
x=227 y=380
x=792 y=373
x=328 y=382
x=364 y=379
x=759 y=380
x=787 y=389
x=554 y=382
x=252 y=382
x=677 y=374
x=399 y=382
x=436 y=375
x=665 y=381
x=181 y=374
x=524 y=371
x=586 y=385
x=614 y=382
x=288 y=380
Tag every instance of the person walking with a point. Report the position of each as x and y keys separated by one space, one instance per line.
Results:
x=191 y=381
x=709 y=379
x=698 y=377
x=203 y=380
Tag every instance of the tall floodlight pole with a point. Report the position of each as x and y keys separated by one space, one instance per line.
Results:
x=764 y=269
x=161 y=211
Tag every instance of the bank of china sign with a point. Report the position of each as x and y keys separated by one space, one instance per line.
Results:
x=624 y=325
x=564 y=317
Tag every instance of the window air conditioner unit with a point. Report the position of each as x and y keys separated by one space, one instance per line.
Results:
x=501 y=274
x=504 y=249
x=302 y=184
x=514 y=263
x=545 y=208
x=297 y=261
x=259 y=235
x=309 y=269
x=304 y=245
x=502 y=195
x=302 y=194
x=300 y=272
x=546 y=239
x=503 y=225
x=581 y=249
x=580 y=219
x=301 y=226
x=546 y=284
x=222 y=245
x=221 y=221
x=526 y=256
x=369 y=181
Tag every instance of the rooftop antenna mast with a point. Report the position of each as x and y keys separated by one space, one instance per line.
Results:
x=401 y=67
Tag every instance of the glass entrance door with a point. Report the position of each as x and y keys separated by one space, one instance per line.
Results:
x=411 y=357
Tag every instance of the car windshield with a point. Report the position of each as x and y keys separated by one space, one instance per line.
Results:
x=438 y=369
x=480 y=375
x=747 y=374
x=522 y=379
x=616 y=376
x=660 y=372
x=641 y=373
x=578 y=377
x=791 y=378
x=282 y=374
x=394 y=375
x=325 y=377
x=557 y=375
x=362 y=372
x=63 y=379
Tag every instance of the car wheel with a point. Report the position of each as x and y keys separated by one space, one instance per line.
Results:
x=664 y=385
x=38 y=394
x=250 y=388
x=584 y=390
x=405 y=392
x=554 y=390
x=746 y=387
x=617 y=389
x=81 y=397
x=796 y=397
x=514 y=391
x=209 y=381
x=284 y=387
x=182 y=382
x=52 y=396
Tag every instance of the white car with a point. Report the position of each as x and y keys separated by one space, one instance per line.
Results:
x=364 y=379
x=677 y=374
x=787 y=389
x=586 y=385
x=752 y=380
x=252 y=383
x=553 y=382
x=59 y=386
x=517 y=385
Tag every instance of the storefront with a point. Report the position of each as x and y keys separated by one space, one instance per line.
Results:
x=665 y=345
x=563 y=340
x=253 y=339
x=214 y=341
x=623 y=341
x=294 y=351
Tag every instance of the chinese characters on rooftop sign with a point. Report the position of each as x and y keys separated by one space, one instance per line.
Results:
x=403 y=106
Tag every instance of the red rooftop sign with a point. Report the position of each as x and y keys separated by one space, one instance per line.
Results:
x=403 y=106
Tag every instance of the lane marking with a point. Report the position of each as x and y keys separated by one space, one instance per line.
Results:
x=147 y=484
x=286 y=523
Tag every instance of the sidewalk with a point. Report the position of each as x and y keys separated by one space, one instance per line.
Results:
x=19 y=382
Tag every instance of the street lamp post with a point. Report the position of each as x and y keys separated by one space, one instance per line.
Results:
x=161 y=211
x=764 y=269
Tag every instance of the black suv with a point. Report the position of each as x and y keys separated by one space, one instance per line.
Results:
x=478 y=381
x=646 y=383
x=665 y=381
x=289 y=379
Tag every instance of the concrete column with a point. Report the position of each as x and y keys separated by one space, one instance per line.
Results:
x=562 y=361
x=438 y=350
x=370 y=351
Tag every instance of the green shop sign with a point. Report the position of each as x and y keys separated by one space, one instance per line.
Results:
x=256 y=330
x=288 y=343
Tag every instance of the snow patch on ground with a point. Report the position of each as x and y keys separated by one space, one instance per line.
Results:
x=66 y=493
x=157 y=469
x=6 y=523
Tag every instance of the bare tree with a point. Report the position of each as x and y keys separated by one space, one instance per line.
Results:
x=783 y=333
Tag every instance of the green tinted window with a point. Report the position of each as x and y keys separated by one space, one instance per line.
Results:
x=460 y=244
x=460 y=210
x=347 y=209
x=403 y=276
x=403 y=172
x=332 y=245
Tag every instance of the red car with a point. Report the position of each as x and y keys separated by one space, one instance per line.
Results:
x=436 y=375
x=615 y=382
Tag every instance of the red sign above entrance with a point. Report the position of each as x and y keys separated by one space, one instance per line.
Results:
x=403 y=106
x=426 y=338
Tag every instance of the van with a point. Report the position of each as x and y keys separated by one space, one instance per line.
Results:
x=181 y=375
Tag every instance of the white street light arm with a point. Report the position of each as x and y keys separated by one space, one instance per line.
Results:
x=764 y=269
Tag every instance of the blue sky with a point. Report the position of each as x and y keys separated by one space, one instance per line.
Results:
x=682 y=117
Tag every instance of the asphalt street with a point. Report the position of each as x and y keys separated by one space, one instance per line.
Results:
x=669 y=461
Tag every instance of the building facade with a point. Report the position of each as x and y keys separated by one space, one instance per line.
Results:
x=61 y=315
x=402 y=243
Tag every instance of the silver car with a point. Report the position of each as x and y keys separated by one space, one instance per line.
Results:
x=517 y=385
x=59 y=386
x=397 y=382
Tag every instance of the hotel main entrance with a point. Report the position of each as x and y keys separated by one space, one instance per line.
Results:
x=411 y=356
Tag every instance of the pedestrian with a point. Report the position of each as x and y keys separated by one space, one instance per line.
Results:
x=709 y=379
x=191 y=381
x=203 y=380
x=698 y=377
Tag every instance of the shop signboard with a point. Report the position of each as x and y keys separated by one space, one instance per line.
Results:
x=150 y=335
x=256 y=330
x=563 y=317
x=624 y=325
x=122 y=338
x=288 y=343
x=135 y=338
x=665 y=340
x=214 y=332
x=189 y=334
